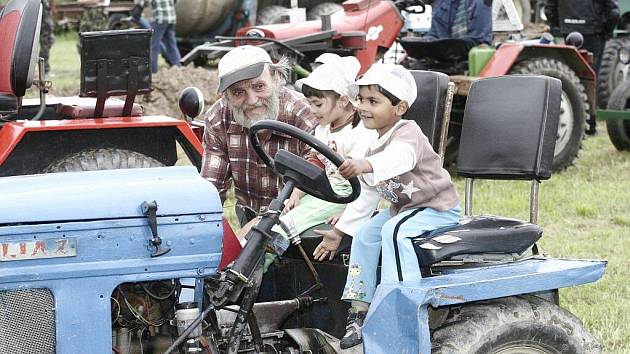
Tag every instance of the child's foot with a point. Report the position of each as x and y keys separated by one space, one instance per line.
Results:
x=354 y=327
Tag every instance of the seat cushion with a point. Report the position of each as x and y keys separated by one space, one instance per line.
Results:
x=482 y=234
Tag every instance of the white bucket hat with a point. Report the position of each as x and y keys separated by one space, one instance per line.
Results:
x=241 y=63
x=392 y=77
x=335 y=75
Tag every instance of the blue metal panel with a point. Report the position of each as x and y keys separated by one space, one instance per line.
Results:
x=105 y=194
x=100 y=211
x=398 y=318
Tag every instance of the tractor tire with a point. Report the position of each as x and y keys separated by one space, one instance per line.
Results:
x=619 y=130
x=102 y=159
x=325 y=8
x=524 y=10
x=573 y=107
x=611 y=71
x=519 y=324
x=270 y=14
x=118 y=21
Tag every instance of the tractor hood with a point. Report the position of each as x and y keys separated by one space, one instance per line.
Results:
x=98 y=195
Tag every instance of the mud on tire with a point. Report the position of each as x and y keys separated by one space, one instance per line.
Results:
x=573 y=109
x=102 y=159
x=523 y=324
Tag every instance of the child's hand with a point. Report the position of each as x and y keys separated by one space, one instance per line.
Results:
x=333 y=219
x=293 y=200
x=329 y=245
x=354 y=167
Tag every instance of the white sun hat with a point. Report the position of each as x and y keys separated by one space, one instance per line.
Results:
x=394 y=78
x=335 y=75
x=241 y=63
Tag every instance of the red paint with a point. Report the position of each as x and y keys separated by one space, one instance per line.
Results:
x=502 y=60
x=8 y=30
x=13 y=132
x=231 y=245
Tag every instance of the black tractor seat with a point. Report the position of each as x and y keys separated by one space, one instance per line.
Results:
x=479 y=235
x=443 y=50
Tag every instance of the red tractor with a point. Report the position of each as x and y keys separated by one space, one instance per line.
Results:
x=368 y=28
x=83 y=133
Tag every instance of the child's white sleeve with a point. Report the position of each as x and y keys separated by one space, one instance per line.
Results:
x=396 y=159
x=359 y=211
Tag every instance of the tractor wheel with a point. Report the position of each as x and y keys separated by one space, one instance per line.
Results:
x=119 y=21
x=619 y=130
x=102 y=159
x=523 y=325
x=573 y=107
x=325 y=8
x=524 y=10
x=270 y=14
x=611 y=71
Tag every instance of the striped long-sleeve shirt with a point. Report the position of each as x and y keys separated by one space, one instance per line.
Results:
x=229 y=158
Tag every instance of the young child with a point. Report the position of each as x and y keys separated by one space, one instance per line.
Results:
x=402 y=168
x=331 y=99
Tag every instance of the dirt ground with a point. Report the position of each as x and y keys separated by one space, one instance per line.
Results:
x=169 y=82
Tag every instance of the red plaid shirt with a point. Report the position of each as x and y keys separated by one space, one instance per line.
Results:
x=229 y=158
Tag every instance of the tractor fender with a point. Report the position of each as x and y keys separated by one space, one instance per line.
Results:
x=27 y=147
x=509 y=54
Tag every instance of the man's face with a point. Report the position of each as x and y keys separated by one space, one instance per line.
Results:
x=254 y=99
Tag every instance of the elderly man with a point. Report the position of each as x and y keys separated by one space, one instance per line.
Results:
x=252 y=89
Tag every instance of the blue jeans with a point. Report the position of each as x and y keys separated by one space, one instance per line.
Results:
x=376 y=237
x=171 y=53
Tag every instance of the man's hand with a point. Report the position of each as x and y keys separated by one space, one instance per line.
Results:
x=354 y=167
x=293 y=200
x=329 y=245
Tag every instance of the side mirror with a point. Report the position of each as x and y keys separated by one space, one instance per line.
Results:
x=191 y=102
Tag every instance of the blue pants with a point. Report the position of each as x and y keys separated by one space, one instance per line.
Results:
x=171 y=53
x=376 y=237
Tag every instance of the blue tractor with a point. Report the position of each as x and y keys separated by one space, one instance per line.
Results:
x=138 y=261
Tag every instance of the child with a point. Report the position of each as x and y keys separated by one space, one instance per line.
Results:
x=327 y=89
x=401 y=167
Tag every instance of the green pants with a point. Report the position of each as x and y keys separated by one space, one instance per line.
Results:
x=311 y=212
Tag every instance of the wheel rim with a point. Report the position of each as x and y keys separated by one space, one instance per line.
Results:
x=522 y=349
x=620 y=74
x=565 y=124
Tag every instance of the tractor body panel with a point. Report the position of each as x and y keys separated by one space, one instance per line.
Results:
x=46 y=140
x=79 y=249
x=398 y=320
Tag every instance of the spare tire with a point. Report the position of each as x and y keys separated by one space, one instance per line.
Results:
x=102 y=159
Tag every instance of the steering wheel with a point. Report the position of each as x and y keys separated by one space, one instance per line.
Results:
x=308 y=177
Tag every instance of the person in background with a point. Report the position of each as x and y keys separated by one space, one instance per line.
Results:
x=163 y=24
x=594 y=19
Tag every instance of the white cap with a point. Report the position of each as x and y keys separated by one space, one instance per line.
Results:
x=241 y=63
x=337 y=74
x=326 y=58
x=394 y=78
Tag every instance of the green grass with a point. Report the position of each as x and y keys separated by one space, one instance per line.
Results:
x=584 y=212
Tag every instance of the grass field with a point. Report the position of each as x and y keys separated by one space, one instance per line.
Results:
x=584 y=212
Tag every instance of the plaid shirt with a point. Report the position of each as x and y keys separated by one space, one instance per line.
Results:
x=228 y=156
x=163 y=10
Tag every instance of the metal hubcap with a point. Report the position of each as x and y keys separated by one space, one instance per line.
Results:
x=565 y=124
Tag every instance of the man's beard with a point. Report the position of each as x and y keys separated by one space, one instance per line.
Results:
x=272 y=105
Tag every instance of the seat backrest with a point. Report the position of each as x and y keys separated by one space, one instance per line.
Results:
x=428 y=108
x=510 y=126
x=19 y=45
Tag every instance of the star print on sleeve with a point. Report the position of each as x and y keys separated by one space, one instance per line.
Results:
x=409 y=189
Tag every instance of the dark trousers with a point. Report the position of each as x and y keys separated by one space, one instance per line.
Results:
x=595 y=44
x=167 y=32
